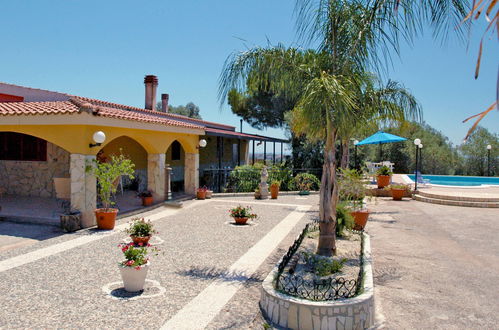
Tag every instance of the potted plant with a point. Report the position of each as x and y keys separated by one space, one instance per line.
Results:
x=201 y=192
x=352 y=190
x=398 y=191
x=135 y=266
x=274 y=189
x=140 y=231
x=383 y=175
x=209 y=193
x=146 y=197
x=70 y=219
x=107 y=174
x=241 y=214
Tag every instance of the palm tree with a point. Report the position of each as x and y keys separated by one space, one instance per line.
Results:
x=332 y=94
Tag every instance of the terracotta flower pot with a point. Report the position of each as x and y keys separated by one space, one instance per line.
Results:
x=138 y=239
x=201 y=194
x=147 y=201
x=241 y=221
x=274 y=191
x=209 y=194
x=106 y=218
x=360 y=218
x=134 y=279
x=383 y=180
x=397 y=194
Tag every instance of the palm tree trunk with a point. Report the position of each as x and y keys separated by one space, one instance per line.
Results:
x=328 y=198
x=345 y=154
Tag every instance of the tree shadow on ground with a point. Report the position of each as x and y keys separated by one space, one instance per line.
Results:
x=207 y=273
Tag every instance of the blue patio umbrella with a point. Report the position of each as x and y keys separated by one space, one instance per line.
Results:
x=380 y=138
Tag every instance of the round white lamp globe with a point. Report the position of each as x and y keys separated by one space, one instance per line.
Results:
x=489 y=147
x=355 y=142
x=202 y=143
x=99 y=137
x=417 y=142
x=421 y=146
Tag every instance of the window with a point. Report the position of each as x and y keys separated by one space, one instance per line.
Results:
x=16 y=146
x=176 y=150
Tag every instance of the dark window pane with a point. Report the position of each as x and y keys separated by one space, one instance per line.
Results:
x=176 y=150
x=16 y=146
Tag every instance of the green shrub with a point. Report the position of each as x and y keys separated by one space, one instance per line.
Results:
x=384 y=170
x=344 y=220
x=304 y=182
x=323 y=266
x=246 y=178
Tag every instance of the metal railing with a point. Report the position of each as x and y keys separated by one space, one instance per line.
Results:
x=316 y=289
x=247 y=180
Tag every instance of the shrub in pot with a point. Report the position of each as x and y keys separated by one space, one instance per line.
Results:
x=135 y=266
x=344 y=219
x=352 y=190
x=274 y=189
x=146 y=197
x=398 y=191
x=383 y=175
x=107 y=174
x=140 y=230
x=242 y=214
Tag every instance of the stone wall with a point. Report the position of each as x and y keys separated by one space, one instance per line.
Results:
x=28 y=178
x=289 y=312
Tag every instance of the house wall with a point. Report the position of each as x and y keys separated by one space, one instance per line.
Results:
x=29 y=178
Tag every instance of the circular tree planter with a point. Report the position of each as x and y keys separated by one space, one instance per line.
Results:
x=106 y=218
x=133 y=278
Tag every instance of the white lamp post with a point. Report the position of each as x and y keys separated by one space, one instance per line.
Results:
x=489 y=147
x=417 y=142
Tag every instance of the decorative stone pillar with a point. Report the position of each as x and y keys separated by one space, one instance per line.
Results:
x=168 y=182
x=156 y=176
x=264 y=187
x=83 y=188
x=191 y=173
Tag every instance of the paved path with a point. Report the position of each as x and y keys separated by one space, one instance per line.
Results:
x=62 y=281
x=436 y=266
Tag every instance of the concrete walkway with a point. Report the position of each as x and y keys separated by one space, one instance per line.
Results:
x=65 y=281
x=435 y=266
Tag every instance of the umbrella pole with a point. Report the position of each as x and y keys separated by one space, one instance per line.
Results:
x=380 y=153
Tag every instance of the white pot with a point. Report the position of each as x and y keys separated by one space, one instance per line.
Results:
x=134 y=279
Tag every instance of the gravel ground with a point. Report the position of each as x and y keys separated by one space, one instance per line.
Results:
x=435 y=266
x=65 y=289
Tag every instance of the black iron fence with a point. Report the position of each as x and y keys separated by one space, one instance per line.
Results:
x=247 y=179
x=315 y=289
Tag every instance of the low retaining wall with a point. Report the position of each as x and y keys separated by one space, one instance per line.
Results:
x=295 y=313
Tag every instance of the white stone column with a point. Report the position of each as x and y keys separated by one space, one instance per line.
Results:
x=83 y=188
x=191 y=173
x=156 y=176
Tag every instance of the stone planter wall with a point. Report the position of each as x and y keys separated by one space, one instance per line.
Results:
x=295 y=313
x=27 y=178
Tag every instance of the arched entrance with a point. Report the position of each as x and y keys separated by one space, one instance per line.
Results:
x=175 y=159
x=127 y=189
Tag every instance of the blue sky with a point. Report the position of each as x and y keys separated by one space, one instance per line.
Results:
x=103 y=49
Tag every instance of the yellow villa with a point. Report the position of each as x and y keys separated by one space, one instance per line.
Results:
x=47 y=138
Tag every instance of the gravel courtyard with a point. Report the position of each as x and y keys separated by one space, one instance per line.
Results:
x=66 y=287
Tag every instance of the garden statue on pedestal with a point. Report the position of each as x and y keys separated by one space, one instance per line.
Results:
x=264 y=187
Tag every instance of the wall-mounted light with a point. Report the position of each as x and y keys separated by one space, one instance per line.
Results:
x=202 y=143
x=99 y=137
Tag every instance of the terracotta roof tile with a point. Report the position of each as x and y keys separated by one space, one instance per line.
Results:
x=79 y=105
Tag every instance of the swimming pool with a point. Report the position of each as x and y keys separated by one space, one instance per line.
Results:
x=450 y=180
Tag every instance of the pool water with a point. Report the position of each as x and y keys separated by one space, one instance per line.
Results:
x=449 y=180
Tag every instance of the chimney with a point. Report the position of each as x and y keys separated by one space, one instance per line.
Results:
x=164 y=102
x=151 y=83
